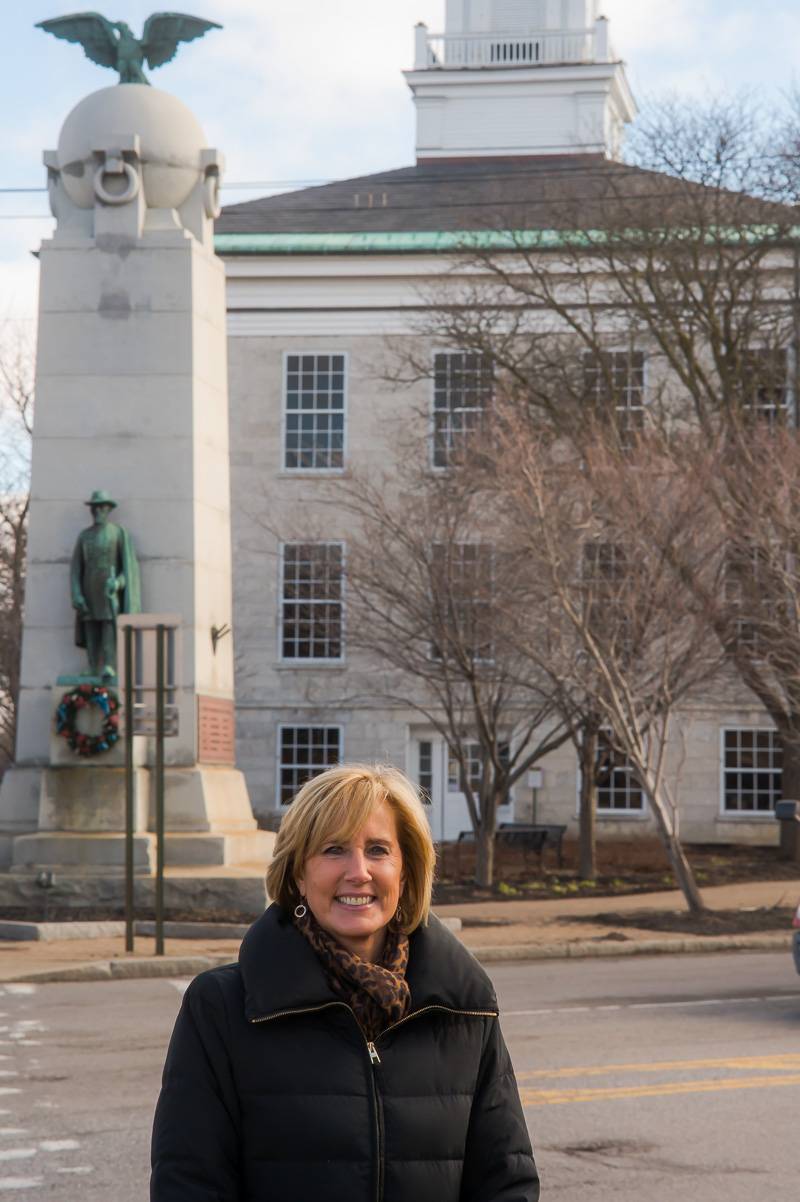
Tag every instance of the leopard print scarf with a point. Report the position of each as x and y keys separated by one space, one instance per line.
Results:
x=378 y=994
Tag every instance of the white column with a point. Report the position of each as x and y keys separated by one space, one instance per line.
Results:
x=601 y=42
x=420 y=46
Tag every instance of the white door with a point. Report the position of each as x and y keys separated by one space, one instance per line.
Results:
x=436 y=772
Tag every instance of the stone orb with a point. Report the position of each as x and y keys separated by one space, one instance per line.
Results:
x=171 y=141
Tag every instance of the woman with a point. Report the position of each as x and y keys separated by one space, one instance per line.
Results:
x=353 y=1054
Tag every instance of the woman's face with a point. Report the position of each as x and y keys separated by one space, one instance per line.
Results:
x=353 y=887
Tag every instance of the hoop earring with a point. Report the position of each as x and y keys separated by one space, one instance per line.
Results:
x=300 y=910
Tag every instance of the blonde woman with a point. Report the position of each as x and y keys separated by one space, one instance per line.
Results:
x=353 y=1054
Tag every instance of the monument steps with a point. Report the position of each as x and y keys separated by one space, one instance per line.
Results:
x=99 y=853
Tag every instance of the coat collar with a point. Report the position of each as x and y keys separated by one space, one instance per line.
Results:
x=281 y=972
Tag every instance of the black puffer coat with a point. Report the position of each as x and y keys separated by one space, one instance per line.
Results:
x=272 y=1094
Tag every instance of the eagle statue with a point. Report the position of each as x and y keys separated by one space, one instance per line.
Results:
x=112 y=43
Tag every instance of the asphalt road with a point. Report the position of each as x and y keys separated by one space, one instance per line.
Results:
x=646 y=1080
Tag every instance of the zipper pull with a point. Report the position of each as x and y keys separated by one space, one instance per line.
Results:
x=373 y=1054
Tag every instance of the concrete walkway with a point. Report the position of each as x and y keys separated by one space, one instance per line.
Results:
x=494 y=931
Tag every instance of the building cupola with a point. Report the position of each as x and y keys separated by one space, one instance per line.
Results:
x=517 y=78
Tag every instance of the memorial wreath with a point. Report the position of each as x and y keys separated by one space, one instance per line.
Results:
x=70 y=706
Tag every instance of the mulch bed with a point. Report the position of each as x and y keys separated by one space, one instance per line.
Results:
x=623 y=868
x=713 y=922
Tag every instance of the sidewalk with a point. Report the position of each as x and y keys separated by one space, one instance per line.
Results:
x=494 y=931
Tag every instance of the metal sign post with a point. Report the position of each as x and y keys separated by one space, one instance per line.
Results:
x=150 y=685
x=129 y=814
x=159 y=784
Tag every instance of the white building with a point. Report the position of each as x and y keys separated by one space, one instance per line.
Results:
x=519 y=102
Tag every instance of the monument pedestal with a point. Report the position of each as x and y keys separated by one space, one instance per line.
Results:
x=80 y=812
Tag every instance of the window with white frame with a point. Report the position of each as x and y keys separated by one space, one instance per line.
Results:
x=474 y=766
x=312 y=602
x=614 y=386
x=425 y=770
x=463 y=384
x=765 y=386
x=607 y=577
x=315 y=395
x=462 y=579
x=743 y=566
x=757 y=593
x=752 y=770
x=304 y=752
x=618 y=790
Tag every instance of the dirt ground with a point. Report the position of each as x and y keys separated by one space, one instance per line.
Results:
x=712 y=922
x=623 y=868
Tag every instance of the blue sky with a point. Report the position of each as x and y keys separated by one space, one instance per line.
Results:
x=311 y=89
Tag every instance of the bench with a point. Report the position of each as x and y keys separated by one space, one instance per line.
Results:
x=530 y=836
x=534 y=836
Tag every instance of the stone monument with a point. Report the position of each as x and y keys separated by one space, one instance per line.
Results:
x=131 y=401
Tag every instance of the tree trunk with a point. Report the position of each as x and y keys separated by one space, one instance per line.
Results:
x=484 y=856
x=587 y=818
x=685 y=876
x=677 y=857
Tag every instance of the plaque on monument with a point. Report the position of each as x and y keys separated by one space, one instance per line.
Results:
x=216 y=730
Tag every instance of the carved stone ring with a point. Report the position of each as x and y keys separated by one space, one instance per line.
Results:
x=211 y=197
x=117 y=198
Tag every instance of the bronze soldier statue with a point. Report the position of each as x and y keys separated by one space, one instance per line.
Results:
x=105 y=583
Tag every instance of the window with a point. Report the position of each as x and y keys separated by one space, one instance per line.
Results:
x=462 y=594
x=425 y=770
x=606 y=579
x=765 y=391
x=752 y=588
x=614 y=386
x=618 y=790
x=305 y=751
x=752 y=768
x=314 y=417
x=312 y=604
x=462 y=390
x=474 y=766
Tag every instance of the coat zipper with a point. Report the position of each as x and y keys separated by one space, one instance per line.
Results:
x=436 y=1006
x=375 y=1060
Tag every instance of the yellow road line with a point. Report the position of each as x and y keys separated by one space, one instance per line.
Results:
x=561 y=1097
x=780 y=1062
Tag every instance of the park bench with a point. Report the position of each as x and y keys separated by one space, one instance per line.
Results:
x=530 y=836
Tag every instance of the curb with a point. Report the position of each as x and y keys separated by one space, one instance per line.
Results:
x=588 y=950
x=121 y=970
x=190 y=966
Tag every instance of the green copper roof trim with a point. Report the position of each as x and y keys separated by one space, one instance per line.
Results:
x=398 y=242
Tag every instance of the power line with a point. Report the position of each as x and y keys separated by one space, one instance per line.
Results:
x=394 y=181
x=260 y=183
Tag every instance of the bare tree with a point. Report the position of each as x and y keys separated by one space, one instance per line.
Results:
x=619 y=629
x=16 y=418
x=749 y=481
x=435 y=599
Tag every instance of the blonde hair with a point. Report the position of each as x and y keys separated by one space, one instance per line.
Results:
x=334 y=806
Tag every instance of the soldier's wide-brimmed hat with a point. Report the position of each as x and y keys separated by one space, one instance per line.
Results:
x=101 y=497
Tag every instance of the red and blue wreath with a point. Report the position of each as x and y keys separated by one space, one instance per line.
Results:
x=70 y=706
